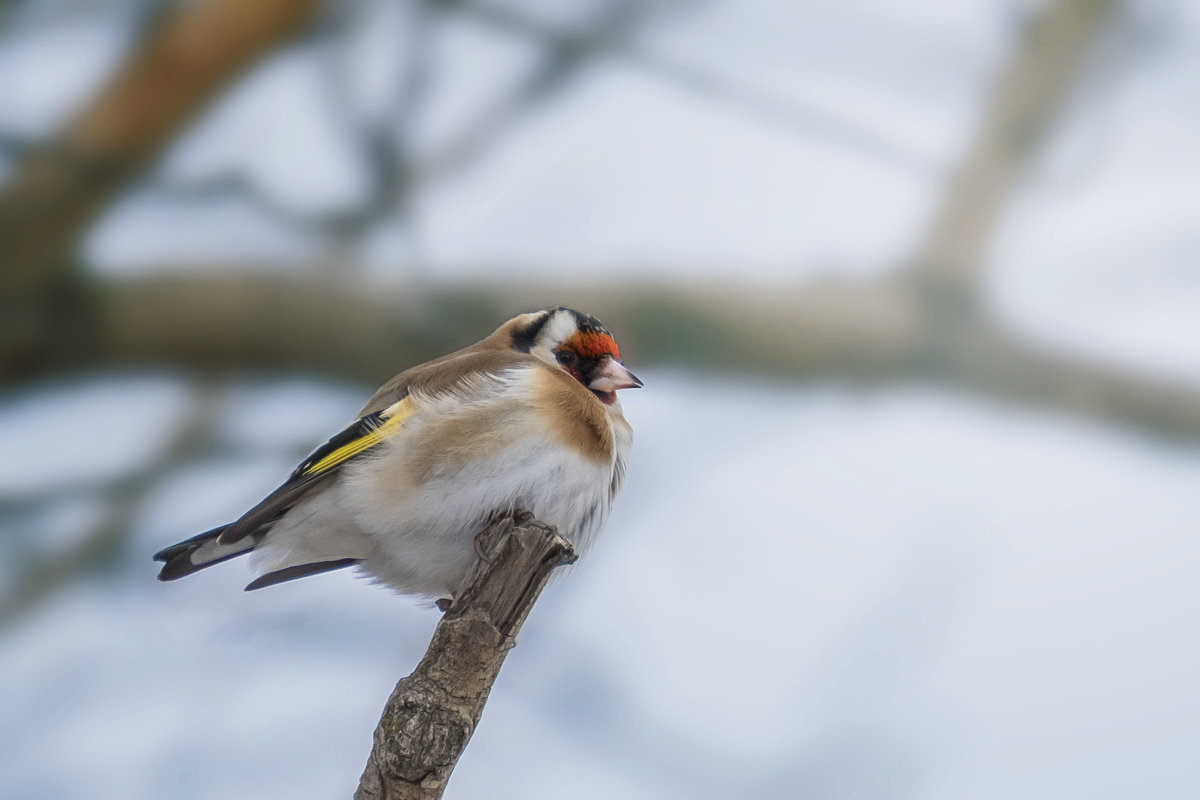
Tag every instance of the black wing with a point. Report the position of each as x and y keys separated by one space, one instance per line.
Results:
x=318 y=469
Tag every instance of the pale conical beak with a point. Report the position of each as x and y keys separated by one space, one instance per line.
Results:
x=610 y=375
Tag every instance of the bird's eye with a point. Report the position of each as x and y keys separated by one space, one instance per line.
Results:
x=566 y=358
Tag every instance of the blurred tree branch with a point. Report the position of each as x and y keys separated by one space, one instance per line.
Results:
x=1028 y=100
x=926 y=322
x=59 y=188
x=432 y=713
x=869 y=332
x=396 y=176
x=611 y=39
x=381 y=143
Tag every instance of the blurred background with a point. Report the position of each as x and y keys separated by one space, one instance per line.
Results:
x=914 y=288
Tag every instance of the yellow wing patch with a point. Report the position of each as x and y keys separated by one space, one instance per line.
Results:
x=394 y=417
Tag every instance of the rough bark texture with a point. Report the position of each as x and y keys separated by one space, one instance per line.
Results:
x=432 y=713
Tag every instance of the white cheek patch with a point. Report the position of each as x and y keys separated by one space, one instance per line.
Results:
x=560 y=328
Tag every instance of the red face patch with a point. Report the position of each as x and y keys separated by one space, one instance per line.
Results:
x=594 y=345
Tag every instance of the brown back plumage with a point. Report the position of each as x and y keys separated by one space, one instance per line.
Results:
x=571 y=410
x=489 y=356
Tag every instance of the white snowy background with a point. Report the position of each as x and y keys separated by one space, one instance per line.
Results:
x=807 y=590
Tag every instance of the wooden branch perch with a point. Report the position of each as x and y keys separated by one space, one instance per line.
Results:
x=432 y=713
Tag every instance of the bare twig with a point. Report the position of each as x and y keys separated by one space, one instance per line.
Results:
x=1029 y=98
x=394 y=175
x=565 y=56
x=611 y=40
x=380 y=142
x=432 y=713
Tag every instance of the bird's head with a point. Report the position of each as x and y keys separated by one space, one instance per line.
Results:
x=578 y=344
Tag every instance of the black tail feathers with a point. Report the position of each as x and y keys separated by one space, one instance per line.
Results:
x=196 y=553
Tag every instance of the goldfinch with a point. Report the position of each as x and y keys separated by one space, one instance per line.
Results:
x=527 y=418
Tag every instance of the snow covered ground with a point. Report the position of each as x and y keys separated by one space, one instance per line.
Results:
x=803 y=592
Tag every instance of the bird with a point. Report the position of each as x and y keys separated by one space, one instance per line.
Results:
x=527 y=419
